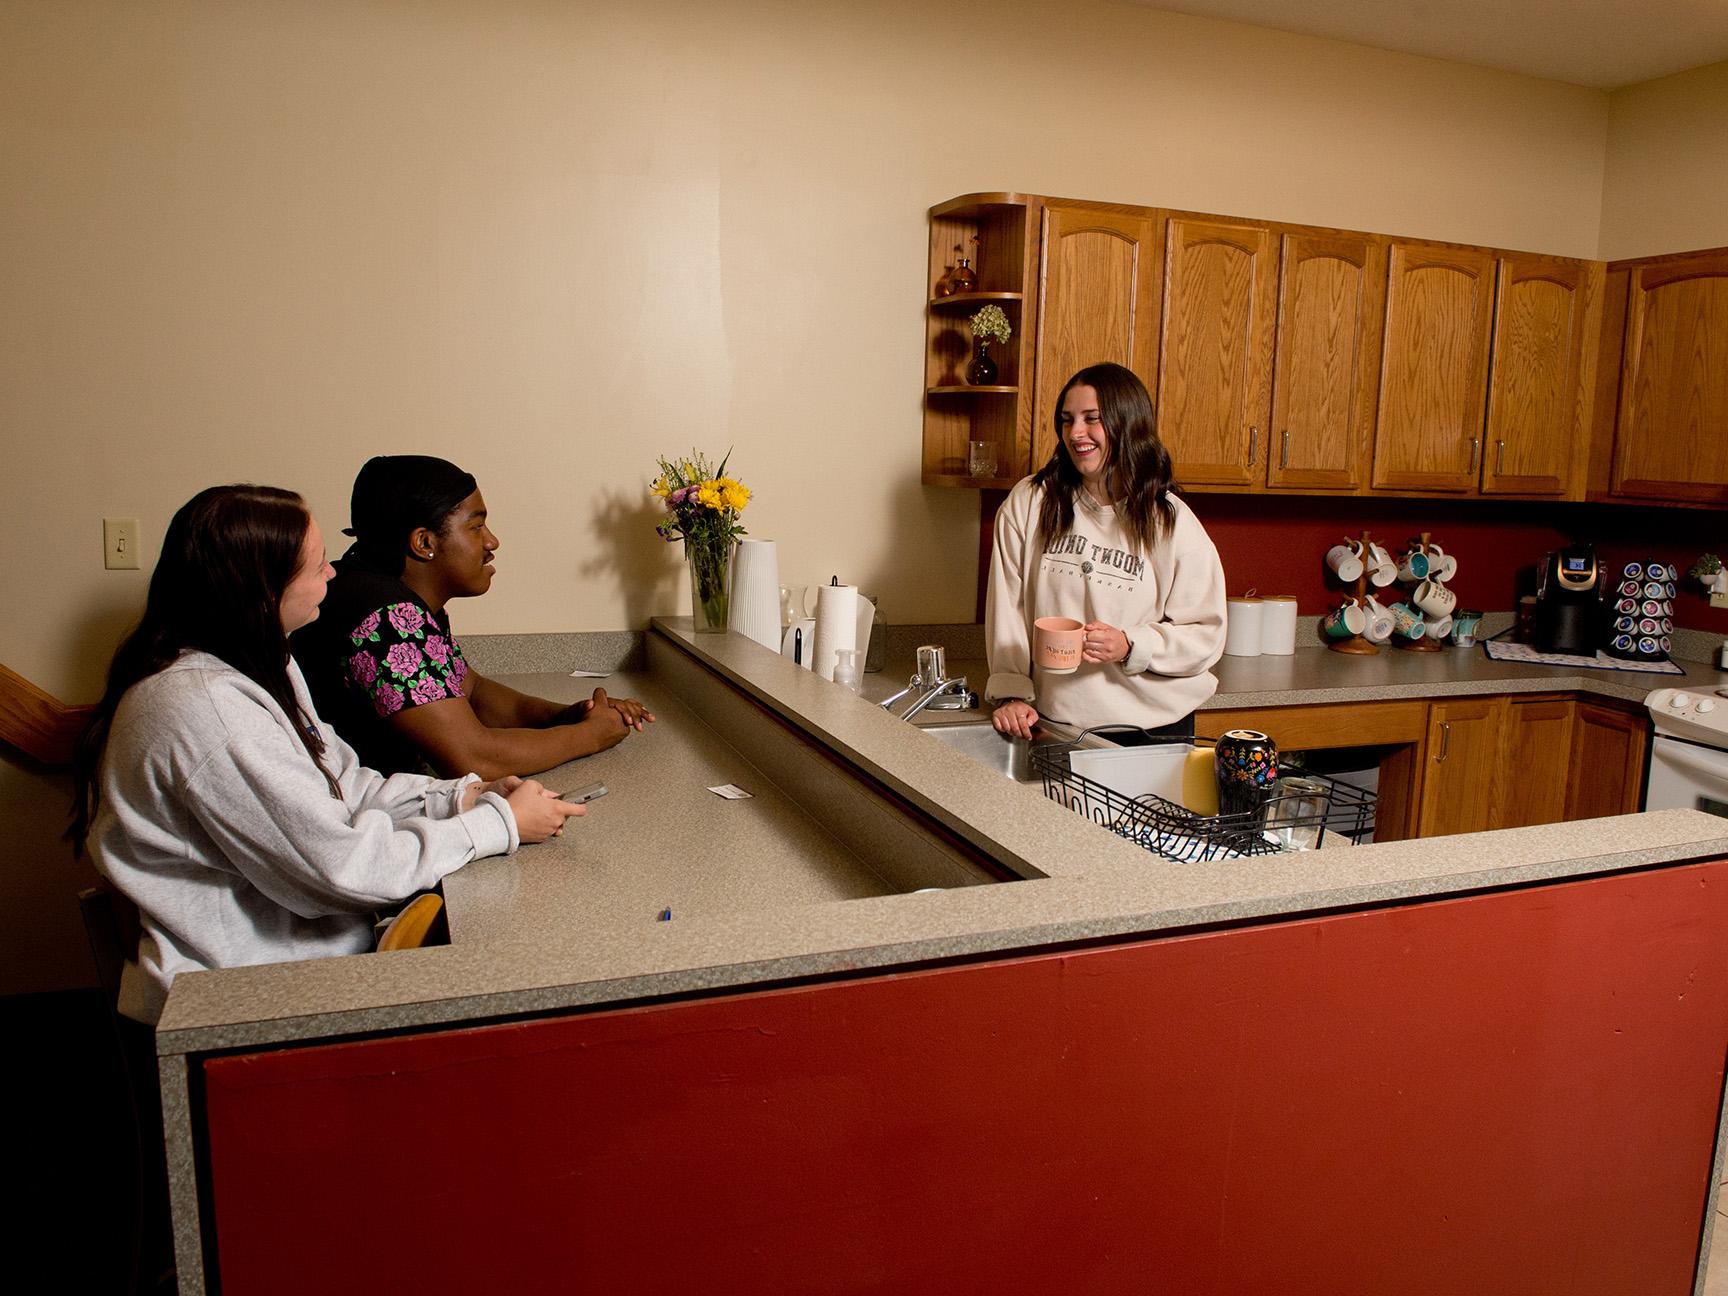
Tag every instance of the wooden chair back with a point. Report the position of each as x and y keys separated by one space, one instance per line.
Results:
x=410 y=928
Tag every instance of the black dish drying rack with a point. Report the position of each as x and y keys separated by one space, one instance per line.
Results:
x=1177 y=833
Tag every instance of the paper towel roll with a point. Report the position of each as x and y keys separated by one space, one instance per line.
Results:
x=836 y=625
x=755 y=609
x=1242 y=627
x=1278 y=624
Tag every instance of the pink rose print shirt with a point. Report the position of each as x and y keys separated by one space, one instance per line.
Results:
x=404 y=658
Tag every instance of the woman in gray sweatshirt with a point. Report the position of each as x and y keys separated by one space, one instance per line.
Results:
x=211 y=794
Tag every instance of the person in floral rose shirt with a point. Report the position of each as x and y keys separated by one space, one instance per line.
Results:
x=383 y=665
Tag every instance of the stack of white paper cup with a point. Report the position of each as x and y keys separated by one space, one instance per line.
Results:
x=1277 y=625
x=755 y=611
x=1242 y=625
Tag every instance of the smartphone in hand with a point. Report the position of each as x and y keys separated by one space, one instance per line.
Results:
x=583 y=795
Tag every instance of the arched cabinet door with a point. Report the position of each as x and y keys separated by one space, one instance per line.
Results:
x=1331 y=300
x=1215 y=379
x=1434 y=373
x=1535 y=401
x=1098 y=302
x=1669 y=443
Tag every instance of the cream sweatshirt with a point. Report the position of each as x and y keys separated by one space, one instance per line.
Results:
x=1170 y=603
x=216 y=824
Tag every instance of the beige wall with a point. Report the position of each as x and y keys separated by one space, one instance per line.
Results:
x=549 y=240
x=1666 y=187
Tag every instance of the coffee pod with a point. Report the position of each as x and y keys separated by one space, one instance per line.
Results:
x=1634 y=571
x=1649 y=645
x=1652 y=607
x=1622 y=643
x=1665 y=645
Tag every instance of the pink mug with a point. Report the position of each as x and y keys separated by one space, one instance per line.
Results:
x=1056 y=644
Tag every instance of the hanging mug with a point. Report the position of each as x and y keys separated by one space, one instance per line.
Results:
x=1442 y=566
x=1380 y=626
x=1345 y=560
x=1434 y=598
x=1345 y=620
x=1414 y=566
x=1407 y=621
x=1381 y=569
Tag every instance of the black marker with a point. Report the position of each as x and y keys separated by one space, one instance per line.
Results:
x=798 y=646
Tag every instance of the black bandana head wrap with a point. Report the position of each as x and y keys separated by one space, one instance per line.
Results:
x=394 y=495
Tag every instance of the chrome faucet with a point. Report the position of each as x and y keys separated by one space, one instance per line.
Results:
x=931 y=682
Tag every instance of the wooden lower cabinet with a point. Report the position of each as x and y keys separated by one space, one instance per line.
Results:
x=1463 y=766
x=1458 y=765
x=1511 y=762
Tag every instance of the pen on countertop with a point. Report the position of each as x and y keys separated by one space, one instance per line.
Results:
x=665 y=916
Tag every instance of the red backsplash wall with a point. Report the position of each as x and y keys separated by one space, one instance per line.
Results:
x=1277 y=544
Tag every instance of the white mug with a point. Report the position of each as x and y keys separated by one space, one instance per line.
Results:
x=1440 y=627
x=1414 y=567
x=1381 y=569
x=1380 y=626
x=1345 y=560
x=1434 y=598
x=1441 y=565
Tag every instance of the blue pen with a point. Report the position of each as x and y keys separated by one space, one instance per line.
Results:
x=665 y=915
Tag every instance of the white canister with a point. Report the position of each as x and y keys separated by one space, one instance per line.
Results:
x=1242 y=624
x=1278 y=625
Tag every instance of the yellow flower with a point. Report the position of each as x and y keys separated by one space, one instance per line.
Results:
x=708 y=495
x=660 y=487
x=736 y=494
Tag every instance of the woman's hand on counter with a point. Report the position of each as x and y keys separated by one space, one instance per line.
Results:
x=1104 y=643
x=1015 y=718
x=539 y=813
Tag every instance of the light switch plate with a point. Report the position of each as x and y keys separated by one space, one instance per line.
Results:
x=120 y=544
x=1719 y=600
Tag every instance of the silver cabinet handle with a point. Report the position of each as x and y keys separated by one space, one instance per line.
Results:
x=1284 y=456
x=1253 y=445
x=1475 y=450
x=1500 y=458
x=1445 y=740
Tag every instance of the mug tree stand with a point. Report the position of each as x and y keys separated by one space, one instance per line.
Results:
x=1424 y=644
x=1356 y=644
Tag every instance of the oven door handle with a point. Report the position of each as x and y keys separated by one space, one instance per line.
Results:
x=1691 y=758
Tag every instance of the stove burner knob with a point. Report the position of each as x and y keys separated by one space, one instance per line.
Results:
x=1680 y=701
x=1705 y=706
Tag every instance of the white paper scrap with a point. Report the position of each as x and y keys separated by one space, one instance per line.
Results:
x=589 y=674
x=731 y=791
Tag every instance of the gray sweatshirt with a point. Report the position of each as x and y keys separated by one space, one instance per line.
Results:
x=216 y=823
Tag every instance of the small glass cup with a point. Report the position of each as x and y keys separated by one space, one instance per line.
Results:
x=1296 y=813
x=981 y=458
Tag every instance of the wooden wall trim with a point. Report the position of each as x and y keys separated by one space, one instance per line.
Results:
x=36 y=723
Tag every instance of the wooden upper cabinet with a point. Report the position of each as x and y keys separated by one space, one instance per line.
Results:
x=1331 y=302
x=1669 y=441
x=1098 y=302
x=1215 y=380
x=1536 y=406
x=1434 y=373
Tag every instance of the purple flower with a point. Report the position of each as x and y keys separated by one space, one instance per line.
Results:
x=437 y=649
x=425 y=690
x=387 y=699
x=367 y=629
x=403 y=659
x=363 y=667
x=407 y=619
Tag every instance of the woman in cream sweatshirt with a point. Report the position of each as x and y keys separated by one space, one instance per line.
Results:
x=1096 y=535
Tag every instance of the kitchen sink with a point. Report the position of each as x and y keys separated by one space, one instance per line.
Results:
x=1010 y=757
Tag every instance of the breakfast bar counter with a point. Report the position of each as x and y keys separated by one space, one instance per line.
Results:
x=874 y=905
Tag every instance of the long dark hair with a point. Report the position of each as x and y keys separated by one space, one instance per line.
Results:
x=227 y=558
x=1137 y=470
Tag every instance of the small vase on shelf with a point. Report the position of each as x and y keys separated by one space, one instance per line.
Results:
x=710 y=584
x=982 y=371
x=964 y=278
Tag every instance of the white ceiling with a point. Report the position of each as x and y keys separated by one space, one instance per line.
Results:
x=1601 y=43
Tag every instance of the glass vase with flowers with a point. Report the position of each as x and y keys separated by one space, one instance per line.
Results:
x=702 y=507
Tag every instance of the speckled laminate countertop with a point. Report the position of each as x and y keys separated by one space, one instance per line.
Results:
x=762 y=893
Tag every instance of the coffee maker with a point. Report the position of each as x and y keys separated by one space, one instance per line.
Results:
x=1568 y=602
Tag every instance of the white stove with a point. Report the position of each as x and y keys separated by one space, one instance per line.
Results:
x=1689 y=756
